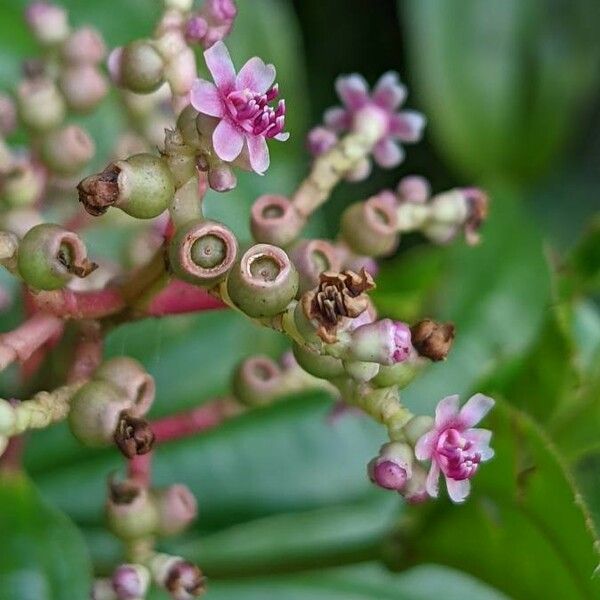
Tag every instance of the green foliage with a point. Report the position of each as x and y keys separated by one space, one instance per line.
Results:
x=43 y=555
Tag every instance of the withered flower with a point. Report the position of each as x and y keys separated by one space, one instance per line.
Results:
x=431 y=339
x=133 y=436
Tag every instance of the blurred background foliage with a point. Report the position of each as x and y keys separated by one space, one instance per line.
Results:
x=511 y=91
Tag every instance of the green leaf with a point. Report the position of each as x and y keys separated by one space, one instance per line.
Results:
x=524 y=529
x=43 y=556
x=496 y=294
x=503 y=82
x=283 y=458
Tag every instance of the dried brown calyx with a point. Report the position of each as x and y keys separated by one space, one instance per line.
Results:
x=123 y=492
x=478 y=204
x=98 y=192
x=338 y=296
x=185 y=578
x=133 y=436
x=431 y=339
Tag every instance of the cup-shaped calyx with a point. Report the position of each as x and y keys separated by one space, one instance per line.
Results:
x=109 y=409
x=313 y=257
x=263 y=282
x=177 y=508
x=275 y=220
x=142 y=186
x=257 y=380
x=202 y=252
x=370 y=228
x=49 y=256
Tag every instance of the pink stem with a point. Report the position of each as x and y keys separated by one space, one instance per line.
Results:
x=87 y=355
x=180 y=297
x=23 y=341
x=194 y=421
x=140 y=468
x=80 y=305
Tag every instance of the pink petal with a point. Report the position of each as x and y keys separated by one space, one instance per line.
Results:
x=387 y=153
x=458 y=490
x=432 y=482
x=407 y=126
x=474 y=410
x=114 y=65
x=205 y=98
x=220 y=66
x=389 y=93
x=337 y=118
x=352 y=90
x=446 y=411
x=481 y=440
x=425 y=445
x=282 y=137
x=255 y=76
x=227 y=141
x=258 y=152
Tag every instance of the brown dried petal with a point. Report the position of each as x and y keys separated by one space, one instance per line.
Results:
x=123 y=492
x=133 y=436
x=98 y=192
x=184 y=576
x=431 y=339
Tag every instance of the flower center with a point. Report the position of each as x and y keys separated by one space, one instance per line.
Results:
x=456 y=455
x=253 y=114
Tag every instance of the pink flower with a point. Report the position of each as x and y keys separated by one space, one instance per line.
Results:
x=387 y=96
x=454 y=447
x=242 y=104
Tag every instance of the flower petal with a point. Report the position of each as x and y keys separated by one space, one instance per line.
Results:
x=227 y=141
x=458 y=490
x=337 y=118
x=387 y=153
x=220 y=65
x=407 y=126
x=475 y=409
x=446 y=411
x=389 y=93
x=426 y=445
x=258 y=152
x=205 y=98
x=481 y=439
x=432 y=484
x=282 y=137
x=255 y=76
x=352 y=90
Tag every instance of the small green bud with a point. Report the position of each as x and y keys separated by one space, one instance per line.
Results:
x=141 y=67
x=361 y=371
x=417 y=427
x=263 y=282
x=22 y=185
x=319 y=365
x=131 y=511
x=40 y=105
x=401 y=374
x=49 y=256
x=68 y=150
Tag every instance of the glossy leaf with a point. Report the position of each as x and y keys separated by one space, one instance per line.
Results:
x=42 y=555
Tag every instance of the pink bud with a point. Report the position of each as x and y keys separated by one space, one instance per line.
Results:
x=85 y=45
x=319 y=140
x=414 y=188
x=130 y=581
x=393 y=467
x=48 y=22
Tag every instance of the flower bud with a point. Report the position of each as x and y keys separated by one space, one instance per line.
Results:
x=8 y=115
x=385 y=342
x=415 y=491
x=177 y=509
x=256 y=381
x=83 y=87
x=68 y=150
x=142 y=186
x=49 y=256
x=196 y=28
x=221 y=178
x=40 y=105
x=131 y=512
x=360 y=370
x=138 y=67
x=202 y=252
x=413 y=188
x=48 y=22
x=432 y=340
x=22 y=185
x=183 y=580
x=318 y=365
x=275 y=220
x=311 y=258
x=263 y=282
x=130 y=377
x=319 y=140
x=180 y=71
x=370 y=227
x=95 y=413
x=417 y=427
x=130 y=581
x=84 y=46
x=400 y=374
x=360 y=171
x=393 y=467
x=102 y=589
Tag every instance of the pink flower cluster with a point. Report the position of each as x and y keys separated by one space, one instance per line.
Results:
x=212 y=23
x=241 y=103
